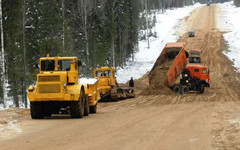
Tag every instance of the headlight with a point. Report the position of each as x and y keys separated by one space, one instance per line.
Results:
x=31 y=88
x=186 y=81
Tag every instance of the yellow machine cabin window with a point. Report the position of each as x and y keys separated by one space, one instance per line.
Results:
x=64 y=65
x=98 y=73
x=47 y=65
x=107 y=73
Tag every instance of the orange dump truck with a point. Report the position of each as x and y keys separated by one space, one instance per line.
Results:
x=194 y=76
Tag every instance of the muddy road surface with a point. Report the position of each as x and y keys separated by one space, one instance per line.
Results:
x=166 y=121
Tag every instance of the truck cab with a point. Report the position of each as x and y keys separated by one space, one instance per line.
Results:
x=109 y=88
x=194 y=56
x=57 y=88
x=107 y=79
x=196 y=77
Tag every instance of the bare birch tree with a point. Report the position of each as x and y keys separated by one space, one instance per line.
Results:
x=3 y=59
x=24 y=53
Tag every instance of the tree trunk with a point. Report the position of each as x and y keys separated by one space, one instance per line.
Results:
x=24 y=56
x=15 y=94
x=113 y=52
x=146 y=9
x=85 y=29
x=3 y=59
x=63 y=24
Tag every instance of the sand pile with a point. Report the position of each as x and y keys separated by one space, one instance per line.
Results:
x=157 y=77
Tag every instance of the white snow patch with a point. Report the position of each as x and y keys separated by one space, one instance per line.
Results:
x=228 y=21
x=87 y=80
x=166 y=27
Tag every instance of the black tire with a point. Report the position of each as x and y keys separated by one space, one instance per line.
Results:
x=177 y=89
x=86 y=107
x=36 y=109
x=47 y=109
x=201 y=89
x=93 y=109
x=77 y=107
x=184 y=89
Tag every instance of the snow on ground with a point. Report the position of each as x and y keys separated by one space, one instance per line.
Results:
x=87 y=80
x=228 y=21
x=166 y=27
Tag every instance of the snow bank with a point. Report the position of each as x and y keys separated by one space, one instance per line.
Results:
x=228 y=21
x=87 y=80
x=166 y=27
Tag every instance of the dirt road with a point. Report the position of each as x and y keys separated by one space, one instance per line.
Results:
x=167 y=122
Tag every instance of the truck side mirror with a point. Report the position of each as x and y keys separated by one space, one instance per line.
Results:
x=79 y=63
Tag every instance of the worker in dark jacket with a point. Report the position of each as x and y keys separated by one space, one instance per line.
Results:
x=131 y=83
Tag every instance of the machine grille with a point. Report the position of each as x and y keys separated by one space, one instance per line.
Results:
x=49 y=88
x=48 y=78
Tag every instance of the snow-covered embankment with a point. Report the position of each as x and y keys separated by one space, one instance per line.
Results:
x=228 y=21
x=166 y=26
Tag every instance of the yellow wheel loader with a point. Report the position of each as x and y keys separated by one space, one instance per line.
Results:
x=58 y=90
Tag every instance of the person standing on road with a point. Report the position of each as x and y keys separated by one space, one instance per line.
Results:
x=131 y=83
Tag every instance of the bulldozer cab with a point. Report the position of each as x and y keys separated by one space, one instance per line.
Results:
x=106 y=76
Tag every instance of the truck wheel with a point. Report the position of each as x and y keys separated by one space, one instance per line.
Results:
x=93 y=109
x=86 y=107
x=47 y=109
x=185 y=89
x=77 y=108
x=177 y=89
x=36 y=109
x=201 y=89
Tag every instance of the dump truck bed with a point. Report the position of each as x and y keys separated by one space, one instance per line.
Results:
x=169 y=65
x=92 y=89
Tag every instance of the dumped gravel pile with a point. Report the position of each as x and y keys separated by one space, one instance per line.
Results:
x=157 y=77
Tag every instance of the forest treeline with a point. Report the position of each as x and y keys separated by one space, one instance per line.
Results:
x=98 y=32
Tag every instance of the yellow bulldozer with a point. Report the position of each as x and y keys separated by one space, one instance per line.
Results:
x=109 y=88
x=58 y=90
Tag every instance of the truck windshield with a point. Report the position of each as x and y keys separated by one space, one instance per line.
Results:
x=47 y=65
x=204 y=71
x=64 y=65
x=194 y=60
x=107 y=73
x=98 y=73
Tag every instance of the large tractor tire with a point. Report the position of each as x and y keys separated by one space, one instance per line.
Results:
x=177 y=89
x=77 y=107
x=86 y=107
x=184 y=89
x=93 y=109
x=47 y=109
x=37 y=110
x=201 y=89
